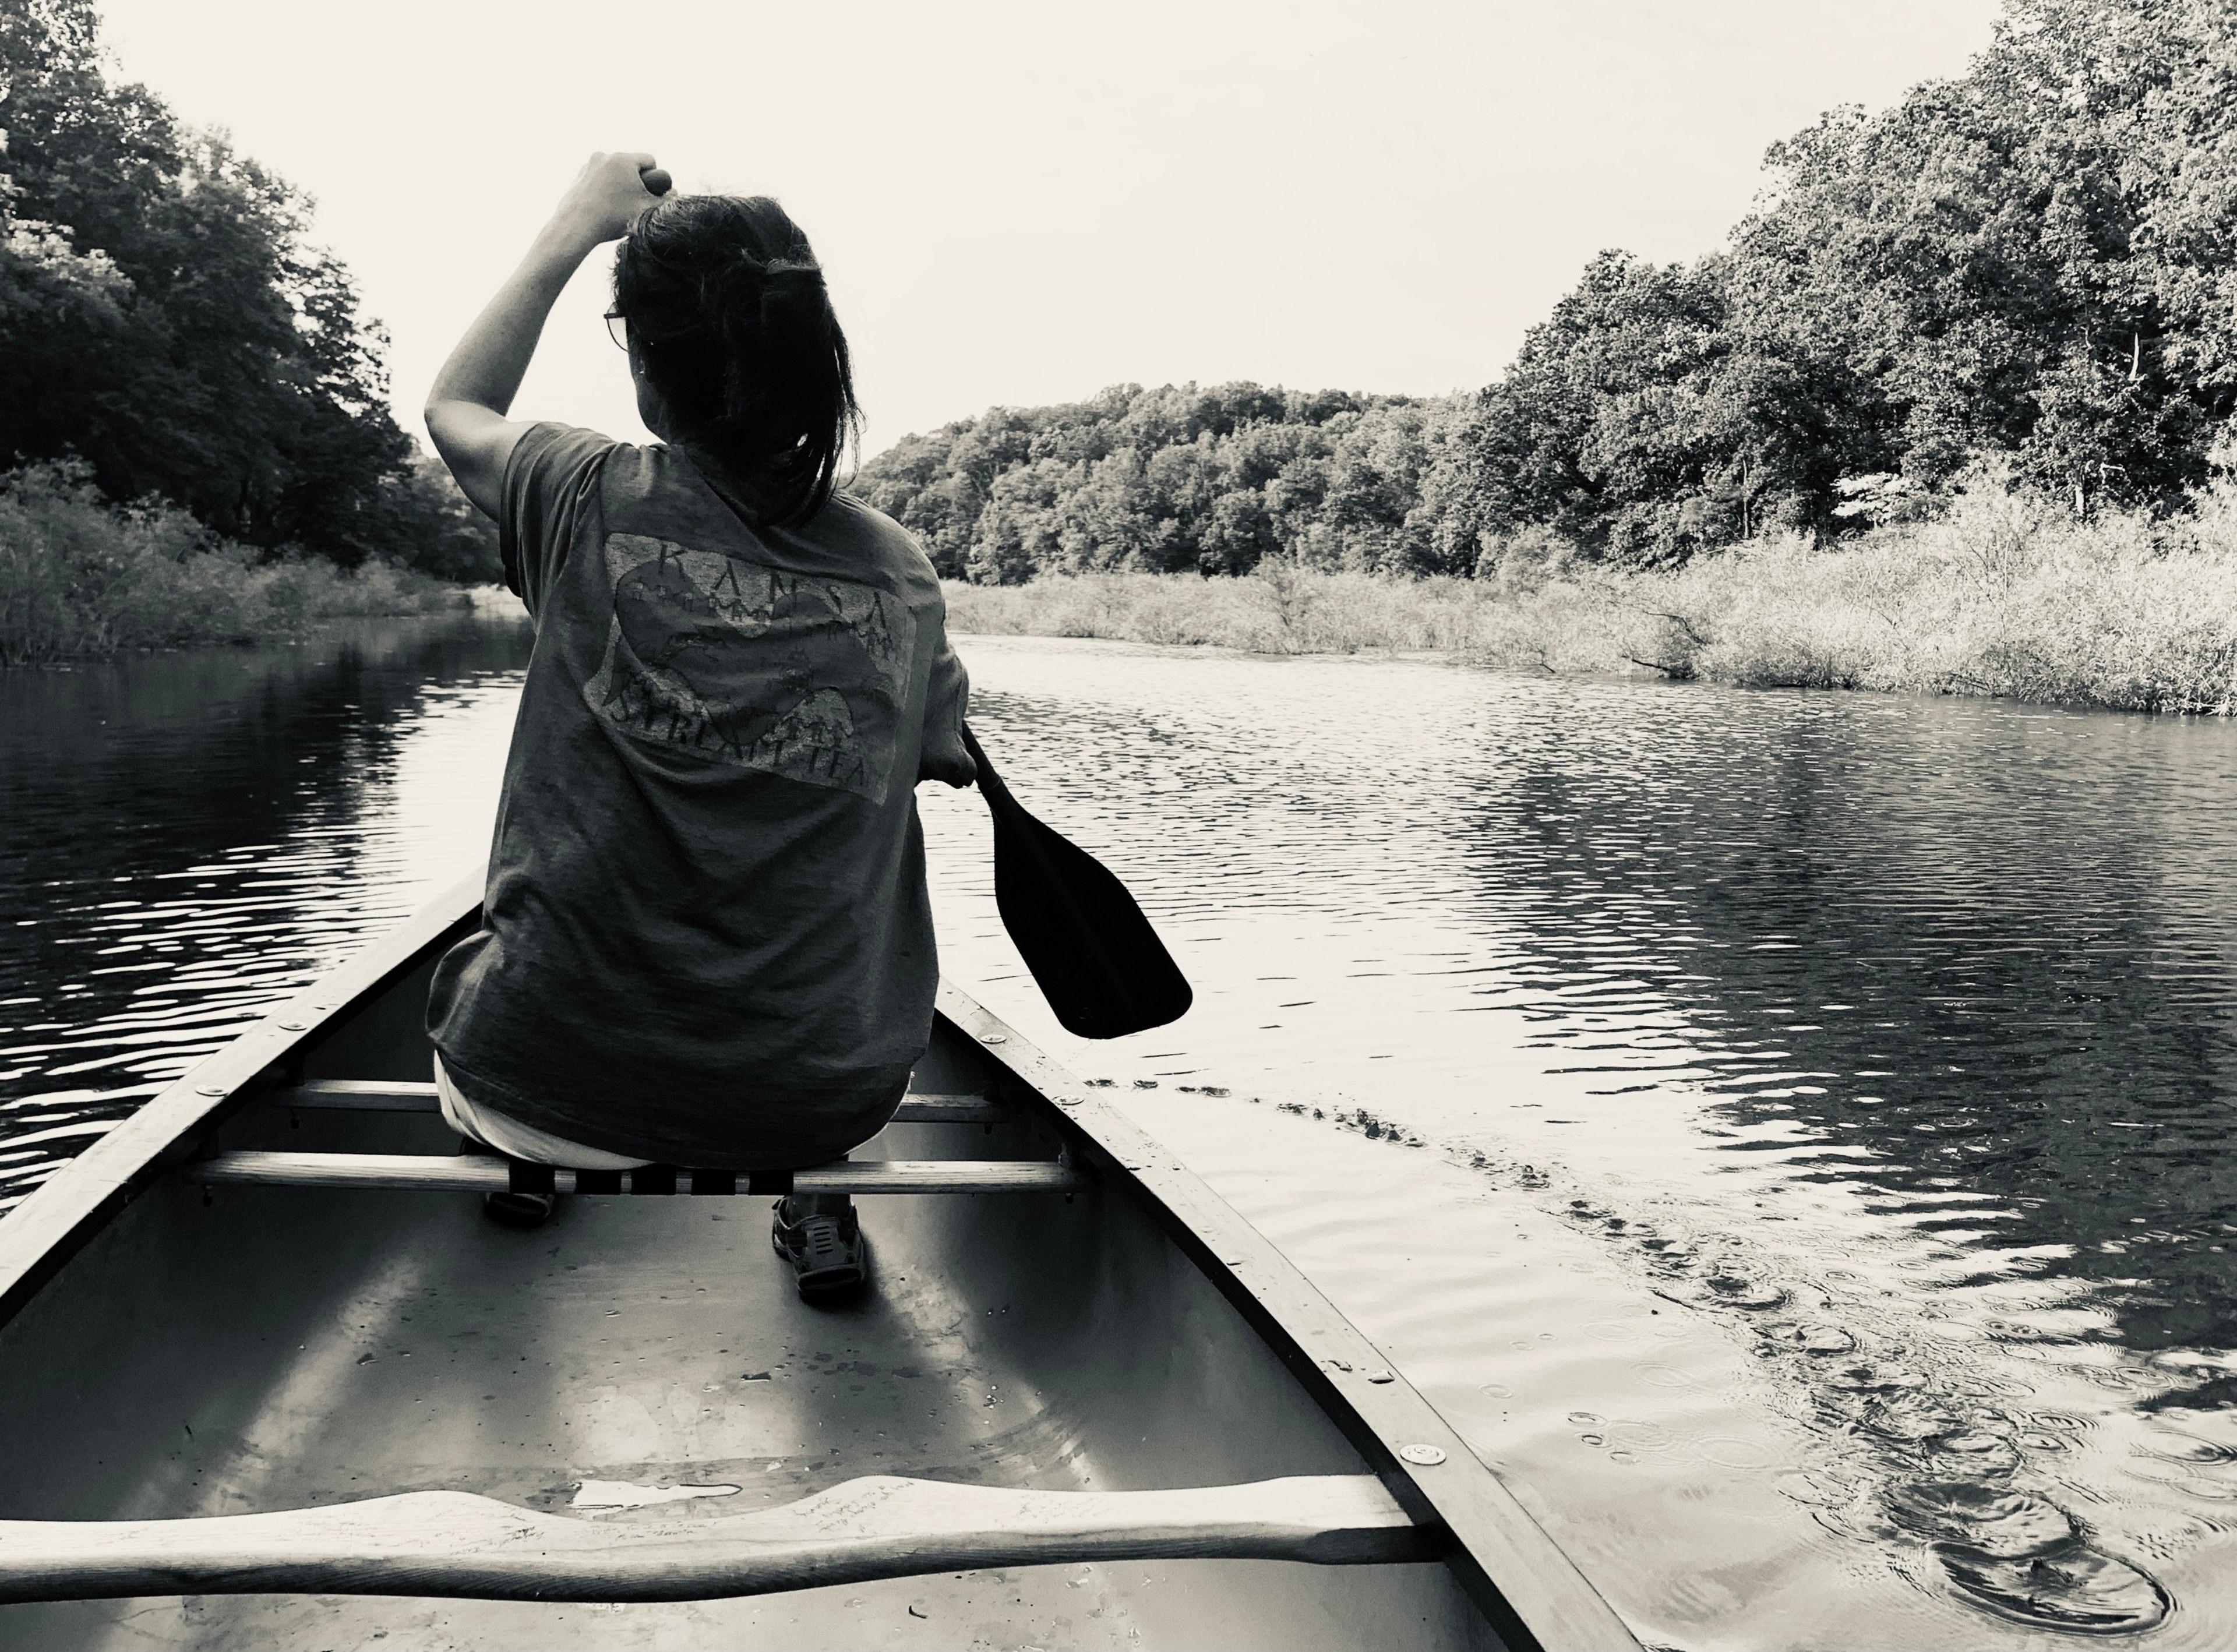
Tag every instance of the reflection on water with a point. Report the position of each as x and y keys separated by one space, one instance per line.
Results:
x=190 y=836
x=1889 y=1040
x=1781 y=1132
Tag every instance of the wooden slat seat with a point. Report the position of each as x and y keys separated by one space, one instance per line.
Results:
x=450 y=1543
x=483 y=1175
x=394 y=1095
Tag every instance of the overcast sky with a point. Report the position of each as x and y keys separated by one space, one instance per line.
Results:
x=1024 y=203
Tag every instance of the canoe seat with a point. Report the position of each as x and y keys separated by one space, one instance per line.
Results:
x=390 y=1096
x=435 y=1172
x=454 y=1544
x=493 y=1174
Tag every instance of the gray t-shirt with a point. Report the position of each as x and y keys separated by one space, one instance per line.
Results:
x=707 y=939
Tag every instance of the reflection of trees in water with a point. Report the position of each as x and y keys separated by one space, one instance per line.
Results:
x=129 y=738
x=1987 y=947
x=183 y=840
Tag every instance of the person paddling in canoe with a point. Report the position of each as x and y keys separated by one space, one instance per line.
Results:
x=707 y=940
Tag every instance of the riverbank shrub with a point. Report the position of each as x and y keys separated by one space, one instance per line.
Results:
x=2008 y=594
x=80 y=577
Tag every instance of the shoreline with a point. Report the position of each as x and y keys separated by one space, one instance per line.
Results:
x=297 y=634
x=83 y=577
x=2001 y=599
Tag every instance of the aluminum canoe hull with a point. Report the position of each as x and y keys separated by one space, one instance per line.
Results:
x=172 y=1350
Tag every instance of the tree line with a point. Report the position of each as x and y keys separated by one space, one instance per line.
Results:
x=2031 y=267
x=1172 y=478
x=166 y=324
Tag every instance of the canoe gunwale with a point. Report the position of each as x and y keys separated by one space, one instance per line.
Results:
x=1547 y=1604
x=1472 y=1523
x=39 y=1237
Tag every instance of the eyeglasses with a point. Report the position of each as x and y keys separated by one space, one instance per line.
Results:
x=617 y=327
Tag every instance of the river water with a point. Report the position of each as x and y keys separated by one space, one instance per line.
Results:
x=1784 y=1132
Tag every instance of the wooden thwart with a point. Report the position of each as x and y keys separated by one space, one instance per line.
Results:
x=394 y=1095
x=435 y=1172
x=454 y=1544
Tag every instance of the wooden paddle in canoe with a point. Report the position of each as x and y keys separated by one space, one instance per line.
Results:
x=264 y=1361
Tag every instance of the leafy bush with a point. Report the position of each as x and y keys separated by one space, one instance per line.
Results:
x=79 y=576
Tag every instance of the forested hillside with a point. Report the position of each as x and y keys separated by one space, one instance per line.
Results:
x=2034 y=265
x=164 y=320
x=1172 y=478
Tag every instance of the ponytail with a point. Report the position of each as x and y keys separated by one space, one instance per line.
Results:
x=735 y=332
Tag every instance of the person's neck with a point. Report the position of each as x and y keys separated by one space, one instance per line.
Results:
x=747 y=490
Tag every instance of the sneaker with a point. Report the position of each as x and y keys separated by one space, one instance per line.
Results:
x=510 y=1209
x=829 y=1257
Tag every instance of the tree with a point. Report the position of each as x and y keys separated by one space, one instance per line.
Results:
x=1178 y=477
x=2034 y=258
x=168 y=322
x=2033 y=264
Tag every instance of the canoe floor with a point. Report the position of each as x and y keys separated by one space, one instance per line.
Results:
x=263 y=1348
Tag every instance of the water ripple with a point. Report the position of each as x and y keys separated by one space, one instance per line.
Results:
x=192 y=837
x=1893 y=1038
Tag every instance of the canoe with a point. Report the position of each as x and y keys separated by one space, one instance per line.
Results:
x=267 y=1377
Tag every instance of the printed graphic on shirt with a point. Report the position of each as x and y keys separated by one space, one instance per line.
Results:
x=752 y=666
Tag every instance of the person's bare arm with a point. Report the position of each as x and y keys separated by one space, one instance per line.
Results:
x=467 y=409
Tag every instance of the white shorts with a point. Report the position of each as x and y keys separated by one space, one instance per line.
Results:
x=517 y=1140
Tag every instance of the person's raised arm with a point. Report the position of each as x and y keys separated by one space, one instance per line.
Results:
x=467 y=409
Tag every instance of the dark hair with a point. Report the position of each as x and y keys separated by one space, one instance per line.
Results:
x=725 y=305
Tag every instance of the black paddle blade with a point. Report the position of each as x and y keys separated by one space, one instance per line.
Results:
x=1094 y=955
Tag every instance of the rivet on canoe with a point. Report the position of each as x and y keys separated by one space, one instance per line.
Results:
x=1380 y=1377
x=992 y=1038
x=292 y=1027
x=1427 y=1455
x=209 y=1089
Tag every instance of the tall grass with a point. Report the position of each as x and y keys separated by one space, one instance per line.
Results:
x=79 y=576
x=2007 y=594
x=1282 y=609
